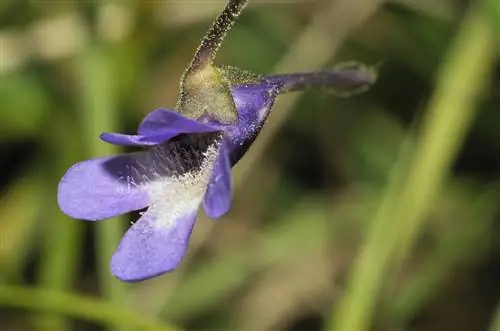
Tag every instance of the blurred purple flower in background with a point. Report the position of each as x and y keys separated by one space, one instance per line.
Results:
x=187 y=157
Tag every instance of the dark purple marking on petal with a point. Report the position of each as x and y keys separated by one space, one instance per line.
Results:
x=218 y=197
x=148 y=249
x=102 y=188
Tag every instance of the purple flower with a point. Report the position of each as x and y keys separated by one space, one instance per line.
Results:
x=186 y=163
x=186 y=158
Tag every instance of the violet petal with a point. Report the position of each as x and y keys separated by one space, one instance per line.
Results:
x=162 y=120
x=254 y=103
x=158 y=126
x=135 y=140
x=158 y=241
x=218 y=197
x=150 y=248
x=102 y=188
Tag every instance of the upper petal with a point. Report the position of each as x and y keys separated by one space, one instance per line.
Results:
x=158 y=126
x=121 y=139
x=218 y=197
x=165 y=120
x=253 y=103
x=101 y=188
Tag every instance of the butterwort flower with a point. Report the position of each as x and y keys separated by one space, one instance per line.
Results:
x=186 y=156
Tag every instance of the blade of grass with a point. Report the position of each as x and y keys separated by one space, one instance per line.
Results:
x=62 y=237
x=19 y=210
x=402 y=211
x=79 y=306
x=493 y=7
x=99 y=115
x=495 y=324
x=468 y=239
x=450 y=115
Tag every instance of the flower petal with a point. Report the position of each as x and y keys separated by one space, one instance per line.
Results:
x=158 y=126
x=158 y=241
x=134 y=140
x=105 y=187
x=150 y=249
x=218 y=197
x=253 y=103
x=163 y=120
x=101 y=188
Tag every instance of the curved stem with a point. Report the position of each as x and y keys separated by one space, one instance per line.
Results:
x=87 y=308
x=205 y=54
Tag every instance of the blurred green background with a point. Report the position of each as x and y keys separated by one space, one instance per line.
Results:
x=375 y=212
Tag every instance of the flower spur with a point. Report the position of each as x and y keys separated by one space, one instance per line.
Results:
x=187 y=157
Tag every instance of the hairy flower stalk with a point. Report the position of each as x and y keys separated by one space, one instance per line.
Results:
x=203 y=87
x=186 y=155
x=210 y=44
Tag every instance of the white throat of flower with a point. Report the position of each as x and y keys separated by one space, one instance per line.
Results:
x=176 y=196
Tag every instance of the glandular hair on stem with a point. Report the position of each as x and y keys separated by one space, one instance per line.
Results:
x=212 y=41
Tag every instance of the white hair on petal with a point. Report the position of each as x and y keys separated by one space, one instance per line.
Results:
x=181 y=191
